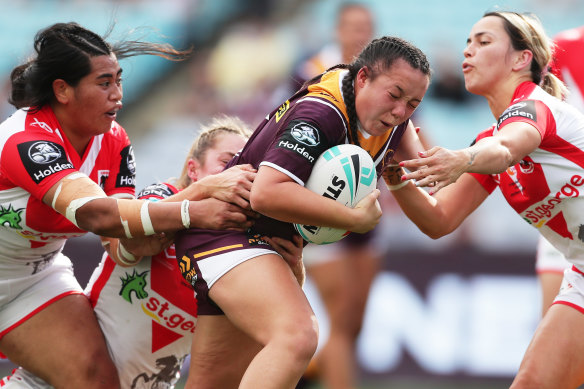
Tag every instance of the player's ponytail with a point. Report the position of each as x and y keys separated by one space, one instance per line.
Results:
x=63 y=51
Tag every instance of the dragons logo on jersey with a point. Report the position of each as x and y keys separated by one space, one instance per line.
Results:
x=167 y=375
x=43 y=158
x=136 y=283
x=127 y=175
x=10 y=217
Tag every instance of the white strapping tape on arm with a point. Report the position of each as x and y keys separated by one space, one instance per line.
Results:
x=146 y=221
x=74 y=205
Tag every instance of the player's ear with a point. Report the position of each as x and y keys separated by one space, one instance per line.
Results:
x=62 y=91
x=193 y=167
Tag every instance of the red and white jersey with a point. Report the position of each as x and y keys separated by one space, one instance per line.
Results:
x=147 y=313
x=569 y=64
x=35 y=154
x=547 y=187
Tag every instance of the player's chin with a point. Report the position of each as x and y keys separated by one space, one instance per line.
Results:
x=378 y=130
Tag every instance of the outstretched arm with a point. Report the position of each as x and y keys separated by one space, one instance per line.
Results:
x=85 y=204
x=442 y=213
x=439 y=167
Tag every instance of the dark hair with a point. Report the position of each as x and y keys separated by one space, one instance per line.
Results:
x=63 y=51
x=378 y=56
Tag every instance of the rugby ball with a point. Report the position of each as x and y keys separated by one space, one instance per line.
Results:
x=345 y=173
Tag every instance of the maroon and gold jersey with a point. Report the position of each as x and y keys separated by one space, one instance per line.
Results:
x=290 y=140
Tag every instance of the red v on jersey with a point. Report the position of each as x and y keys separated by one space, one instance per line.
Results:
x=162 y=336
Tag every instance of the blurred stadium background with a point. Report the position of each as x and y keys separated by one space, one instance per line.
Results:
x=456 y=312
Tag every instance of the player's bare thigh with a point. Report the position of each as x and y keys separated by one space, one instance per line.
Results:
x=63 y=345
x=220 y=354
x=555 y=357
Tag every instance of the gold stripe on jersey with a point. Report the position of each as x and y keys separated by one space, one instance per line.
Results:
x=204 y=253
x=328 y=88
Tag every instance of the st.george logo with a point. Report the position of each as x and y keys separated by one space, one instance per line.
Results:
x=43 y=153
x=306 y=134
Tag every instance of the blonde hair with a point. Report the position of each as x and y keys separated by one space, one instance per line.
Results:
x=527 y=33
x=207 y=139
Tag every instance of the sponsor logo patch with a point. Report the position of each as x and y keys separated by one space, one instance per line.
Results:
x=302 y=138
x=158 y=190
x=524 y=109
x=127 y=175
x=43 y=158
x=305 y=133
x=282 y=110
x=102 y=176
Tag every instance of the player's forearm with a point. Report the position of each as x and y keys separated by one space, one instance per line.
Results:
x=293 y=203
x=487 y=156
x=424 y=211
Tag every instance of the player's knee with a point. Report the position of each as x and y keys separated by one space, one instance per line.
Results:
x=96 y=370
x=303 y=340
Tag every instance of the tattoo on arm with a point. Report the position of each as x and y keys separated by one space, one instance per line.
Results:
x=472 y=156
x=392 y=174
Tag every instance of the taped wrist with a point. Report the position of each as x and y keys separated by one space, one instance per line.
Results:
x=392 y=176
x=135 y=217
x=184 y=214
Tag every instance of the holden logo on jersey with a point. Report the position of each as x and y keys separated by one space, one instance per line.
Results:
x=302 y=138
x=43 y=152
x=43 y=158
x=525 y=109
x=305 y=133
x=127 y=175
x=10 y=217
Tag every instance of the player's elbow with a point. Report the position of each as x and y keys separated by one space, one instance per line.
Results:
x=434 y=233
x=437 y=229
x=259 y=200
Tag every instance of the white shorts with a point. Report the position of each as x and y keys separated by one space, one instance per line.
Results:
x=572 y=289
x=549 y=259
x=22 y=379
x=22 y=295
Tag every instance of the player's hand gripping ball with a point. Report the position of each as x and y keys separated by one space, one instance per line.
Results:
x=345 y=173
